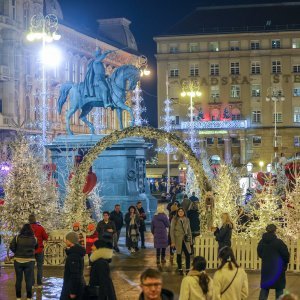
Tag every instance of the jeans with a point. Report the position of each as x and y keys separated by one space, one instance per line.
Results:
x=264 y=293
x=187 y=258
x=162 y=252
x=116 y=237
x=39 y=257
x=142 y=232
x=28 y=270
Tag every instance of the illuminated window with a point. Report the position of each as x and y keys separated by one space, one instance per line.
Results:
x=275 y=44
x=235 y=91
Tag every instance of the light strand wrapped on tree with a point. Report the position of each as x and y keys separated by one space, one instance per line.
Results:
x=227 y=193
x=27 y=190
x=291 y=209
x=265 y=208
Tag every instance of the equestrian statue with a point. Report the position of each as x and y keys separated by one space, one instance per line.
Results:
x=98 y=90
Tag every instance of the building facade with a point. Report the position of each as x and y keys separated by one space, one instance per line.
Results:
x=237 y=61
x=21 y=75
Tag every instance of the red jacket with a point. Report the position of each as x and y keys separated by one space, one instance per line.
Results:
x=40 y=235
x=90 y=240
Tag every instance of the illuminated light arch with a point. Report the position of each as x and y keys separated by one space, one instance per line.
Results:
x=78 y=181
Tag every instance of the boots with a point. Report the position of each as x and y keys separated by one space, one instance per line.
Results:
x=158 y=260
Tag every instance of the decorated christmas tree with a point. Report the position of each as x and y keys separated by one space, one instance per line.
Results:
x=227 y=193
x=265 y=208
x=291 y=209
x=27 y=190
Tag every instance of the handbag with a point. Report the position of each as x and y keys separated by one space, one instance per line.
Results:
x=228 y=286
x=92 y=290
x=186 y=237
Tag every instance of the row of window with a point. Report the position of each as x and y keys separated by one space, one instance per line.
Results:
x=255 y=68
x=256 y=116
x=234 y=45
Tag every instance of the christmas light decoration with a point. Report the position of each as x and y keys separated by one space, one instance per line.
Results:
x=138 y=106
x=99 y=118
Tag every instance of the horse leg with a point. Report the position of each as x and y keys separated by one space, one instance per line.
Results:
x=86 y=121
x=119 y=114
x=69 y=114
x=123 y=106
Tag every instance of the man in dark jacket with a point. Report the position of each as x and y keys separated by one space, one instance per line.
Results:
x=142 y=227
x=106 y=228
x=41 y=236
x=193 y=216
x=117 y=217
x=73 y=285
x=275 y=258
x=151 y=284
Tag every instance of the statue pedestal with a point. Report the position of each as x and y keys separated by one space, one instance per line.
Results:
x=120 y=169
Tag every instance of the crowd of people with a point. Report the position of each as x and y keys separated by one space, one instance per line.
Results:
x=176 y=226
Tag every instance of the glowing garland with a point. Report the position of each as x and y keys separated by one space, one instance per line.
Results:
x=78 y=211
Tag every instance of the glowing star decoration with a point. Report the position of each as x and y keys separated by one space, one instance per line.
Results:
x=138 y=107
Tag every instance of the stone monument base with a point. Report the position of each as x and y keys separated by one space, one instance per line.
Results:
x=120 y=169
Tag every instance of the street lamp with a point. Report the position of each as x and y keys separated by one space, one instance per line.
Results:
x=249 y=169
x=261 y=164
x=44 y=28
x=269 y=168
x=191 y=88
x=274 y=94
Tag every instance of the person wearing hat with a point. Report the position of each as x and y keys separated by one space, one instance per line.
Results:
x=41 y=236
x=101 y=286
x=76 y=228
x=91 y=238
x=275 y=257
x=73 y=281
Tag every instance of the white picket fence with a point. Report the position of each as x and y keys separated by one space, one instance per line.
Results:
x=245 y=251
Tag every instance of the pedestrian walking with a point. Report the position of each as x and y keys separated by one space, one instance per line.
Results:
x=181 y=239
x=23 y=246
x=223 y=234
x=41 y=236
x=159 y=228
x=117 y=217
x=172 y=213
x=132 y=220
x=77 y=229
x=186 y=202
x=193 y=215
x=100 y=285
x=275 y=258
x=152 y=286
x=230 y=280
x=197 y=285
x=73 y=281
x=91 y=238
x=142 y=227
x=106 y=228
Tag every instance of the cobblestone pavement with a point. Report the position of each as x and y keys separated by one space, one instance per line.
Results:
x=126 y=269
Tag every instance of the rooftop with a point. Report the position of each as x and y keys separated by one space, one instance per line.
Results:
x=282 y=16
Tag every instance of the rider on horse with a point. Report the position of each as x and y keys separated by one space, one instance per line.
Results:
x=95 y=84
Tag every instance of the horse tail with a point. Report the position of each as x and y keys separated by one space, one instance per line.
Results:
x=63 y=94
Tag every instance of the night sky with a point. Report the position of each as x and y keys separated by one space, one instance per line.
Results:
x=149 y=18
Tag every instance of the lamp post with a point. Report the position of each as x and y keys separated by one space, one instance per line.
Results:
x=249 y=169
x=274 y=94
x=191 y=88
x=44 y=28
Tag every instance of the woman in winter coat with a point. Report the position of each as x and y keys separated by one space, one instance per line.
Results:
x=275 y=258
x=181 y=238
x=159 y=225
x=230 y=280
x=197 y=285
x=223 y=234
x=101 y=286
x=23 y=246
x=132 y=229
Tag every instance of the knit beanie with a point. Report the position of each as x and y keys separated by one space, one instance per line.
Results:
x=72 y=237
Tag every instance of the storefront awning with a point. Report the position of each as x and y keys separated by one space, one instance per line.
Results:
x=155 y=172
